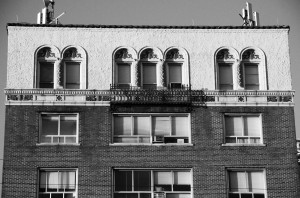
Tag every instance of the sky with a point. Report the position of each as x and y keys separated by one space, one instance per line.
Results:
x=154 y=12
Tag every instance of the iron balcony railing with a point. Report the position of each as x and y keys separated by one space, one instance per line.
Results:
x=150 y=96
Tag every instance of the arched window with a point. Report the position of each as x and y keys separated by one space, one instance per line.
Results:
x=150 y=68
x=124 y=68
x=176 y=68
x=225 y=67
x=74 y=68
x=252 y=73
x=46 y=59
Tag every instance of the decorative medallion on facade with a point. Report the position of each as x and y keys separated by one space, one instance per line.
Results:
x=250 y=54
x=174 y=54
x=72 y=53
x=224 y=55
x=45 y=53
x=122 y=54
x=149 y=54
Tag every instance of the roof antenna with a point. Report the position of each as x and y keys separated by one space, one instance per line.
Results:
x=250 y=18
x=47 y=14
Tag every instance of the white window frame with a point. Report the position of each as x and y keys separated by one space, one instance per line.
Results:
x=181 y=140
x=247 y=171
x=248 y=143
x=154 y=191
x=75 y=193
x=58 y=135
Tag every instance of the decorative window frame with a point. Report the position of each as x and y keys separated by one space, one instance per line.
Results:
x=227 y=55
x=176 y=55
x=57 y=170
x=257 y=56
x=151 y=55
x=151 y=136
x=128 y=55
x=46 y=53
x=58 y=113
x=77 y=55
x=246 y=169
x=259 y=115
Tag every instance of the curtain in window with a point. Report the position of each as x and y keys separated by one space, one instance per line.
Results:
x=67 y=180
x=72 y=75
x=162 y=178
x=238 y=182
x=123 y=181
x=181 y=177
x=142 y=125
x=225 y=77
x=234 y=126
x=175 y=73
x=122 y=125
x=161 y=125
x=124 y=73
x=179 y=126
x=256 y=182
x=252 y=126
x=46 y=75
x=142 y=180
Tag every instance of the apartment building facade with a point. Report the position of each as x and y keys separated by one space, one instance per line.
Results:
x=149 y=112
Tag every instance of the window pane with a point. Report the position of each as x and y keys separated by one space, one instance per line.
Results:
x=126 y=195
x=123 y=180
x=149 y=73
x=52 y=181
x=122 y=125
x=179 y=126
x=124 y=73
x=237 y=182
x=252 y=126
x=175 y=73
x=43 y=181
x=233 y=126
x=225 y=77
x=60 y=195
x=46 y=74
x=177 y=195
x=142 y=180
x=72 y=75
x=182 y=177
x=49 y=125
x=251 y=76
x=163 y=177
x=68 y=125
x=256 y=182
x=141 y=126
x=67 y=179
x=44 y=196
x=161 y=125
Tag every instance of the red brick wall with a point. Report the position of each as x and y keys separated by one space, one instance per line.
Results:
x=95 y=158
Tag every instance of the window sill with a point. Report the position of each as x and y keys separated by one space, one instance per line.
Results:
x=57 y=144
x=148 y=144
x=246 y=144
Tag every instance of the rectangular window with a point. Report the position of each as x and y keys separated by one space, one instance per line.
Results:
x=225 y=76
x=243 y=129
x=149 y=76
x=153 y=128
x=46 y=75
x=72 y=75
x=59 y=128
x=144 y=183
x=57 y=184
x=251 y=76
x=246 y=184
x=124 y=75
x=175 y=75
